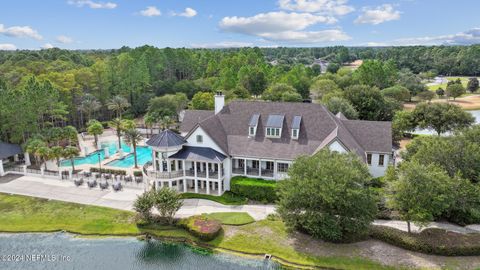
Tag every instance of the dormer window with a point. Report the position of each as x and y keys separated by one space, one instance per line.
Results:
x=252 y=126
x=296 y=127
x=273 y=128
x=294 y=133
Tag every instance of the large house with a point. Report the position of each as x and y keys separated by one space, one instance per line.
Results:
x=258 y=139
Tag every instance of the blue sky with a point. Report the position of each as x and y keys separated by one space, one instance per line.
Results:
x=105 y=24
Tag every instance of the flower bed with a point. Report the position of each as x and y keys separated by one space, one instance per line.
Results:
x=110 y=171
x=202 y=227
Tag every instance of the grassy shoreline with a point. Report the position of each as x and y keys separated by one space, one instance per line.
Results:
x=22 y=214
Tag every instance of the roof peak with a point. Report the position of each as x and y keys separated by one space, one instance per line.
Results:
x=166 y=138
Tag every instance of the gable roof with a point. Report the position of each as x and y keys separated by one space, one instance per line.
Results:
x=8 y=150
x=192 y=117
x=166 y=138
x=199 y=154
x=318 y=127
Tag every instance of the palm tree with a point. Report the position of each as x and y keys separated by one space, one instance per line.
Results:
x=57 y=153
x=45 y=154
x=32 y=147
x=119 y=125
x=118 y=104
x=166 y=122
x=70 y=152
x=150 y=120
x=133 y=137
x=89 y=105
x=95 y=128
x=70 y=134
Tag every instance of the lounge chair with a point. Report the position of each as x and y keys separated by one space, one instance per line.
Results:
x=128 y=178
x=78 y=182
x=108 y=176
x=138 y=179
x=92 y=183
x=103 y=185
x=117 y=186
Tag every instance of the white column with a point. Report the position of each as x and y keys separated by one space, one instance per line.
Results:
x=219 y=187
x=259 y=167
x=245 y=166
x=208 y=171
x=24 y=169
x=184 y=185
x=195 y=174
x=208 y=187
x=183 y=168
x=170 y=185
x=2 y=172
x=169 y=165
x=15 y=158
x=27 y=159
x=70 y=174
x=275 y=170
x=161 y=184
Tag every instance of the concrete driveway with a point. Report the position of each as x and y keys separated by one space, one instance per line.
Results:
x=63 y=190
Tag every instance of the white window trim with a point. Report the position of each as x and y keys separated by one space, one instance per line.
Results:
x=254 y=131
x=273 y=129
x=381 y=155
x=293 y=135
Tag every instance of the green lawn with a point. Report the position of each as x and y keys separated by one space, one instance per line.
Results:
x=444 y=85
x=227 y=198
x=21 y=213
x=27 y=214
x=232 y=218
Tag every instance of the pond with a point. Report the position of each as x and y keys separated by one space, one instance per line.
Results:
x=475 y=113
x=64 y=251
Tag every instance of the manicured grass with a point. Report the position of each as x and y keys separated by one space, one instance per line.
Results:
x=21 y=213
x=232 y=218
x=464 y=81
x=227 y=198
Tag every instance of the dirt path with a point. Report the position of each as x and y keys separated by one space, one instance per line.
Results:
x=471 y=102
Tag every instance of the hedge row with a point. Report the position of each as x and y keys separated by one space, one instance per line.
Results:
x=430 y=241
x=109 y=171
x=254 y=188
x=202 y=227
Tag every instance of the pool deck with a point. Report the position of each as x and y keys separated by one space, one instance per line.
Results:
x=87 y=142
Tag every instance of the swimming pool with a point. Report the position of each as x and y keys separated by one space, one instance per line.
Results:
x=144 y=154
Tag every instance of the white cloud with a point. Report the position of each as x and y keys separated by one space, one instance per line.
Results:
x=20 y=31
x=47 y=46
x=92 y=4
x=223 y=44
x=64 y=39
x=188 y=12
x=330 y=7
x=378 y=15
x=272 y=22
x=284 y=27
x=468 y=37
x=151 y=11
x=308 y=36
x=7 y=47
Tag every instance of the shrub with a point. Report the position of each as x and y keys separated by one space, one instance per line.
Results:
x=167 y=201
x=143 y=205
x=202 y=227
x=431 y=241
x=254 y=188
x=137 y=173
x=109 y=171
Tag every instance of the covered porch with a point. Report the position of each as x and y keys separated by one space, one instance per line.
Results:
x=262 y=168
x=192 y=169
x=9 y=155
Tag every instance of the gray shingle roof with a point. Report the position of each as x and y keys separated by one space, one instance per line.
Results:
x=199 y=154
x=192 y=117
x=8 y=150
x=166 y=138
x=229 y=129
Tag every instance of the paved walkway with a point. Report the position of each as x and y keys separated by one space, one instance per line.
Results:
x=66 y=191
